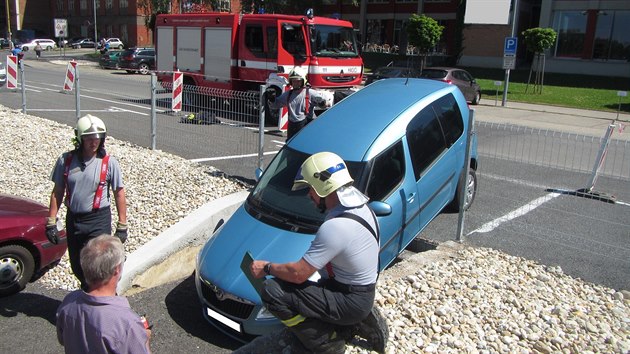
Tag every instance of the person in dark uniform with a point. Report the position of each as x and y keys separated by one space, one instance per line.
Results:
x=345 y=252
x=83 y=178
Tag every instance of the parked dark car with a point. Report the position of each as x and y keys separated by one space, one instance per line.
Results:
x=140 y=60
x=5 y=43
x=388 y=72
x=110 y=60
x=458 y=77
x=83 y=43
x=25 y=252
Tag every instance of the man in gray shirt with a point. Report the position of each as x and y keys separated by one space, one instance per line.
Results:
x=99 y=321
x=345 y=252
x=83 y=178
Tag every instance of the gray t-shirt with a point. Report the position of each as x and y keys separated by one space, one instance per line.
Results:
x=83 y=181
x=349 y=246
x=99 y=324
x=295 y=102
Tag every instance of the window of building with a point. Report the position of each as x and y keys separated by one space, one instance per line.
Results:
x=109 y=4
x=123 y=4
x=83 y=5
x=71 y=6
x=571 y=29
x=612 y=35
x=60 y=5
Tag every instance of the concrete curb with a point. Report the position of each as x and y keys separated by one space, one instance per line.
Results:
x=172 y=254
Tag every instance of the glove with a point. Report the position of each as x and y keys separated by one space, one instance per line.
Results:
x=51 y=230
x=121 y=232
x=271 y=94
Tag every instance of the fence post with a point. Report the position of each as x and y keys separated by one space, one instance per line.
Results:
x=601 y=156
x=77 y=92
x=261 y=125
x=153 y=110
x=22 y=81
x=463 y=178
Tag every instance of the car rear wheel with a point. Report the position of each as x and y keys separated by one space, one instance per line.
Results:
x=16 y=269
x=49 y=48
x=477 y=98
x=120 y=46
x=144 y=68
x=469 y=195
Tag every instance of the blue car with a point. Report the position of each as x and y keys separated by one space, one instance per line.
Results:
x=404 y=141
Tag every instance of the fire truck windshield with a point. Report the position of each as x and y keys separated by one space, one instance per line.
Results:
x=333 y=41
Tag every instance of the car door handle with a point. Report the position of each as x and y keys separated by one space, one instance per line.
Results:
x=411 y=198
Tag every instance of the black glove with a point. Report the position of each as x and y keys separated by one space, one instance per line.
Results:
x=271 y=94
x=51 y=230
x=121 y=232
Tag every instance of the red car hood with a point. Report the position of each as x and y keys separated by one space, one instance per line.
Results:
x=12 y=206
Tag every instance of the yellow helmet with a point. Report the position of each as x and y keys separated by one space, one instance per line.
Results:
x=325 y=172
x=90 y=125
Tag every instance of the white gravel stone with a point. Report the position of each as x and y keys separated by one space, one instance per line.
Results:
x=479 y=301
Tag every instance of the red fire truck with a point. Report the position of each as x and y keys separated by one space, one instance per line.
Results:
x=242 y=52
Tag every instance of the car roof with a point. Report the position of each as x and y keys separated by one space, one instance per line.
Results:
x=350 y=127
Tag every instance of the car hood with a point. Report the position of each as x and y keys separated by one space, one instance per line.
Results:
x=220 y=259
x=11 y=206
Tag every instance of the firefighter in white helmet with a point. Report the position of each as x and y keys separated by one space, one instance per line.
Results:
x=83 y=178
x=300 y=101
x=345 y=253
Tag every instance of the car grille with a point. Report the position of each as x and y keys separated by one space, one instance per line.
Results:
x=219 y=301
x=340 y=79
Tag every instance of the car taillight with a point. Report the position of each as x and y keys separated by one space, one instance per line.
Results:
x=447 y=81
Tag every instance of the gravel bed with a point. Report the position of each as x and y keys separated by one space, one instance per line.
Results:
x=475 y=300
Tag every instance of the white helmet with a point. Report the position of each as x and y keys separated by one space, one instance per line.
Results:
x=325 y=172
x=298 y=72
x=90 y=125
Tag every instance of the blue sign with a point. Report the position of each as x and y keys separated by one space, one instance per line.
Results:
x=510 y=46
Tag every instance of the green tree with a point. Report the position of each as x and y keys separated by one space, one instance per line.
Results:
x=538 y=40
x=423 y=33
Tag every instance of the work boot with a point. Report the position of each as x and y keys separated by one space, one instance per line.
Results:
x=333 y=346
x=374 y=330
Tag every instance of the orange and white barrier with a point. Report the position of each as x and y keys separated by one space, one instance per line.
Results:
x=12 y=71
x=71 y=72
x=178 y=84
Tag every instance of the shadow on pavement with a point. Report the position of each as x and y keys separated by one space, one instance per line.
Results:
x=31 y=305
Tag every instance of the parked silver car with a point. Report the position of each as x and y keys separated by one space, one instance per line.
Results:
x=458 y=77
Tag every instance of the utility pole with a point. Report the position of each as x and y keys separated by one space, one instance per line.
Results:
x=507 y=71
x=8 y=22
x=95 y=33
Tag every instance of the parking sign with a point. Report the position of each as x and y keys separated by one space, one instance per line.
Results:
x=510 y=46
x=61 y=27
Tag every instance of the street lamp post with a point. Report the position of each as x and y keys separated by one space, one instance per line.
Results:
x=95 y=33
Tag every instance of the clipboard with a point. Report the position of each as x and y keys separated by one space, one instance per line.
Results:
x=246 y=263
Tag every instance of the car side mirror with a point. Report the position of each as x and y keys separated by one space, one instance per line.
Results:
x=258 y=173
x=380 y=208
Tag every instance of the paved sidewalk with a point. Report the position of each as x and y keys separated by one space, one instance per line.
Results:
x=570 y=120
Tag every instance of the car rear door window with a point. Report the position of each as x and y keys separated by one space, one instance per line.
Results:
x=450 y=117
x=387 y=172
x=426 y=140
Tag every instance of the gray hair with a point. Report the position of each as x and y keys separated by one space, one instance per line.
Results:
x=100 y=257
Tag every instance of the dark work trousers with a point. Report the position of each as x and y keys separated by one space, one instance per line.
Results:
x=80 y=229
x=295 y=127
x=324 y=305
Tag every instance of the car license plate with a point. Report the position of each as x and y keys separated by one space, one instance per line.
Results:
x=226 y=321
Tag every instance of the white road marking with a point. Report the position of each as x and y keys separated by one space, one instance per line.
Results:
x=231 y=157
x=489 y=226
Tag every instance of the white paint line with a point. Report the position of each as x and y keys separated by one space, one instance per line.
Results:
x=489 y=226
x=278 y=142
x=118 y=109
x=231 y=157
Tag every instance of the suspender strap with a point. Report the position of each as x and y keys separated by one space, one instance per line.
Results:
x=66 y=171
x=101 y=184
x=307 y=99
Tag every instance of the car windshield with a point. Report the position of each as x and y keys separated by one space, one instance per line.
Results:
x=390 y=72
x=333 y=41
x=273 y=202
x=433 y=74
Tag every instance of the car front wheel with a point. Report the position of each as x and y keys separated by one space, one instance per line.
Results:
x=477 y=98
x=16 y=269
x=144 y=69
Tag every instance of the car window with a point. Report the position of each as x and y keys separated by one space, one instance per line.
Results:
x=433 y=74
x=388 y=170
x=466 y=76
x=426 y=140
x=450 y=117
